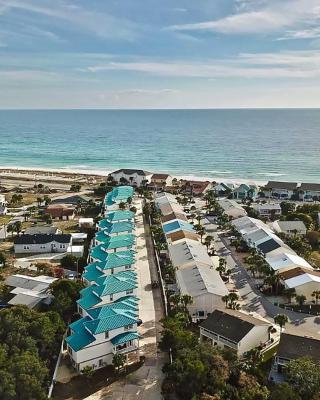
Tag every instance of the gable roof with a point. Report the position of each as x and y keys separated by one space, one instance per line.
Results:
x=310 y=187
x=119 y=215
x=281 y=185
x=118 y=194
x=231 y=324
x=127 y=171
x=289 y=226
x=298 y=271
x=115 y=242
x=116 y=227
x=188 y=252
x=300 y=276
x=174 y=215
x=292 y=347
x=285 y=260
x=160 y=176
x=120 y=282
x=42 y=238
x=179 y=235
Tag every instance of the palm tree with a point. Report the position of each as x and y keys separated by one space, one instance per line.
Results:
x=207 y=241
x=10 y=228
x=300 y=298
x=281 y=320
x=225 y=299
x=186 y=300
x=289 y=293
x=316 y=294
x=200 y=231
x=17 y=226
x=175 y=299
x=129 y=201
x=122 y=205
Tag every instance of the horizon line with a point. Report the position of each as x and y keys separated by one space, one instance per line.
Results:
x=158 y=109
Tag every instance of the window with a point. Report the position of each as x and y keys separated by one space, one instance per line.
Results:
x=26 y=247
x=111 y=297
x=126 y=328
x=100 y=362
x=129 y=291
x=128 y=266
x=106 y=335
x=62 y=246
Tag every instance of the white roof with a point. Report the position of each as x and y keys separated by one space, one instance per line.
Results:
x=231 y=207
x=286 y=260
x=79 y=236
x=24 y=299
x=266 y=206
x=284 y=226
x=197 y=280
x=187 y=252
x=301 y=280
x=257 y=235
x=30 y=282
x=85 y=220
x=247 y=222
x=165 y=198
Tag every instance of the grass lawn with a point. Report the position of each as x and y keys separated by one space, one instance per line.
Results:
x=4 y=219
x=67 y=226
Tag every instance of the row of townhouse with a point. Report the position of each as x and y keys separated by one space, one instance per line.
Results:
x=295 y=272
x=108 y=305
x=288 y=190
x=196 y=273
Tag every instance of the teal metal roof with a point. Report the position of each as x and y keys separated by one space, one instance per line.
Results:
x=88 y=298
x=92 y=273
x=116 y=227
x=129 y=305
x=124 y=337
x=118 y=194
x=119 y=215
x=112 y=260
x=120 y=282
x=81 y=337
x=116 y=319
x=115 y=242
x=98 y=253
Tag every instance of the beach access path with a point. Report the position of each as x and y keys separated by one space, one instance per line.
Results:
x=145 y=383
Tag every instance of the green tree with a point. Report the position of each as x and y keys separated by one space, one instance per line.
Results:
x=304 y=376
x=289 y=293
x=283 y=391
x=300 y=298
x=281 y=320
x=122 y=206
x=17 y=226
x=118 y=361
x=75 y=187
x=87 y=371
x=207 y=241
x=69 y=261
x=66 y=293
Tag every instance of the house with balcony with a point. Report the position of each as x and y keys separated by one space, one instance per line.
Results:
x=119 y=216
x=119 y=194
x=309 y=192
x=160 y=181
x=107 y=289
x=280 y=190
x=245 y=191
x=223 y=189
x=102 y=332
x=134 y=177
x=268 y=210
x=116 y=228
x=235 y=330
x=111 y=264
x=292 y=347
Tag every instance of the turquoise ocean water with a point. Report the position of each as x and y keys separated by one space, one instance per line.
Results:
x=247 y=144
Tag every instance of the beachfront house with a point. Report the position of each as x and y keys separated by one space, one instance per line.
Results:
x=42 y=243
x=160 y=181
x=235 y=330
x=134 y=177
x=196 y=188
x=280 y=190
x=119 y=194
x=268 y=210
x=309 y=191
x=245 y=191
x=292 y=347
x=102 y=332
x=223 y=189
x=111 y=264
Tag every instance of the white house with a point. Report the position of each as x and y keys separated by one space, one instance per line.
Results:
x=305 y=281
x=102 y=332
x=3 y=205
x=309 y=191
x=204 y=284
x=135 y=177
x=42 y=243
x=268 y=210
x=187 y=253
x=235 y=330
x=280 y=190
x=289 y=227
x=160 y=181
x=232 y=208
x=283 y=262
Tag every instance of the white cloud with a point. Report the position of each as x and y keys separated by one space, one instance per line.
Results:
x=312 y=33
x=295 y=64
x=260 y=17
x=100 y=23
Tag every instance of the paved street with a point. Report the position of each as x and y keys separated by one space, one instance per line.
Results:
x=254 y=301
x=145 y=383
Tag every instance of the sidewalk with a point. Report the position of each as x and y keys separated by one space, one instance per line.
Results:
x=145 y=383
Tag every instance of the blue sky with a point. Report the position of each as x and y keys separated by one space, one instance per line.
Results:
x=159 y=54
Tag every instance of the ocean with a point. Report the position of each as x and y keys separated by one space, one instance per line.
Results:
x=240 y=144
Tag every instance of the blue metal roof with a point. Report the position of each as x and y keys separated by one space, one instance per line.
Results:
x=116 y=319
x=176 y=226
x=81 y=337
x=118 y=194
x=115 y=242
x=120 y=215
x=120 y=282
x=116 y=227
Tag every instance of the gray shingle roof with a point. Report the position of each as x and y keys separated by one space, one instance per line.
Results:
x=42 y=239
x=293 y=347
x=281 y=185
x=310 y=186
x=230 y=324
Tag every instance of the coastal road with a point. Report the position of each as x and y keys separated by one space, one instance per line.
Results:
x=255 y=301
